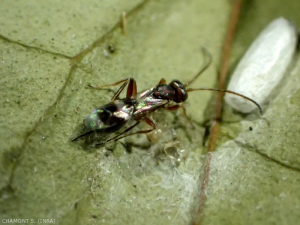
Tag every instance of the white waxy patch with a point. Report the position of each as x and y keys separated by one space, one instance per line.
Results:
x=263 y=65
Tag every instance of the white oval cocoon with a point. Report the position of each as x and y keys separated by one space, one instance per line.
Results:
x=263 y=65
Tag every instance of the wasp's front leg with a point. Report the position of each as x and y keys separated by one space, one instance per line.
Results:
x=175 y=107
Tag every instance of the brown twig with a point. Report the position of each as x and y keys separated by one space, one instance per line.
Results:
x=125 y=15
x=218 y=108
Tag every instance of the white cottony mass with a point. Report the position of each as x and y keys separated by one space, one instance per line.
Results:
x=263 y=65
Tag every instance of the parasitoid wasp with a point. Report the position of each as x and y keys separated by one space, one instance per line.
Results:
x=136 y=106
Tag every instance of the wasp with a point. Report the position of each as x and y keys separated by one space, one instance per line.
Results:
x=137 y=106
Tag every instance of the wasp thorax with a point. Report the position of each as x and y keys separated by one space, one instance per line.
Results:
x=180 y=93
x=164 y=91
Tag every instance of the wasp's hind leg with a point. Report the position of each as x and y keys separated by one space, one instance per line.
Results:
x=82 y=135
x=149 y=122
x=119 y=136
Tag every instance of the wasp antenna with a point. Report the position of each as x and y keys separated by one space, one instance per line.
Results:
x=206 y=63
x=227 y=91
x=82 y=135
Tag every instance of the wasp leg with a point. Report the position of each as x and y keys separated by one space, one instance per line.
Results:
x=149 y=122
x=175 y=107
x=131 y=90
x=118 y=137
x=82 y=135
x=125 y=131
x=109 y=85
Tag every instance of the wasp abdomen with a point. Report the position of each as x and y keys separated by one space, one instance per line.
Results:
x=110 y=117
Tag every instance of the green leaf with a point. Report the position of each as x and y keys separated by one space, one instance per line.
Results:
x=253 y=176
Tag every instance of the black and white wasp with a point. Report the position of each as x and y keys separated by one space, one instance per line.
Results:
x=137 y=106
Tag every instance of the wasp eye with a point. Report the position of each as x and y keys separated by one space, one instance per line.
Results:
x=180 y=93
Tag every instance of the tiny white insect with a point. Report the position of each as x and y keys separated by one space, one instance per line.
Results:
x=263 y=65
